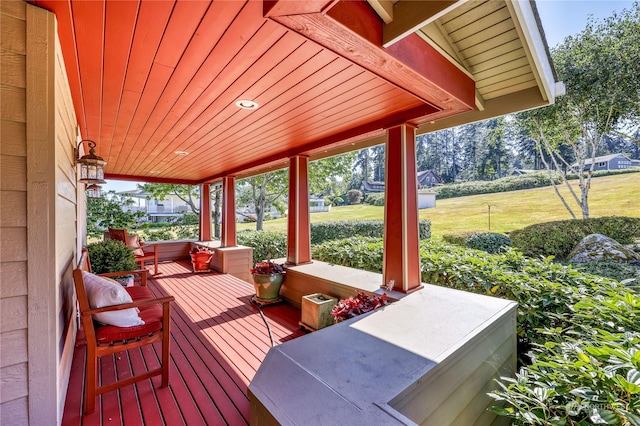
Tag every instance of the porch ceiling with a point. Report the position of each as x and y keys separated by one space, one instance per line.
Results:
x=150 y=78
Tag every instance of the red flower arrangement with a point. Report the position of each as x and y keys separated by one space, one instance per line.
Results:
x=357 y=305
x=200 y=249
x=267 y=268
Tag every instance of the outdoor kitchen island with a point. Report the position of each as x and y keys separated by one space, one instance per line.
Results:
x=429 y=358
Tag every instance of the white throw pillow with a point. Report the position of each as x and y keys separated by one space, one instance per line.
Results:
x=134 y=243
x=101 y=292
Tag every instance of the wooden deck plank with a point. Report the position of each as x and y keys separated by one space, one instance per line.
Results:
x=130 y=407
x=218 y=340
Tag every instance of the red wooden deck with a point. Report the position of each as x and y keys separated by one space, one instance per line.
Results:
x=218 y=340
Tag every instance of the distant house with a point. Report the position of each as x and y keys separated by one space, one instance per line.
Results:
x=520 y=172
x=607 y=162
x=371 y=186
x=165 y=210
x=428 y=179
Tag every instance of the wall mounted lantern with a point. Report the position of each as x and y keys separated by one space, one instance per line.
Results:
x=91 y=165
x=94 y=191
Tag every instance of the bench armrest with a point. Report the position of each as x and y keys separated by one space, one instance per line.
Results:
x=143 y=273
x=138 y=304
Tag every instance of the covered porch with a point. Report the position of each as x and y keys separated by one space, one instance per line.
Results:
x=233 y=363
x=204 y=93
x=218 y=341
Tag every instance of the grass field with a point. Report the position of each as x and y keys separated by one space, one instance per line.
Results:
x=617 y=195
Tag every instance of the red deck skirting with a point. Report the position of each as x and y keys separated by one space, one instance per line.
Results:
x=218 y=342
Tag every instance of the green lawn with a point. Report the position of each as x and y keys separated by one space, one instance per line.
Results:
x=617 y=195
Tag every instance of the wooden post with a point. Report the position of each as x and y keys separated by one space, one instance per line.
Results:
x=228 y=237
x=298 y=228
x=205 y=212
x=401 y=241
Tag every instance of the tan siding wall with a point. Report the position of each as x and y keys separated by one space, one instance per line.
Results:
x=38 y=211
x=13 y=210
x=65 y=222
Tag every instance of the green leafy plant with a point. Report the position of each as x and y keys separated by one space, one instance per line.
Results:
x=375 y=199
x=578 y=334
x=623 y=272
x=458 y=238
x=490 y=242
x=265 y=244
x=111 y=256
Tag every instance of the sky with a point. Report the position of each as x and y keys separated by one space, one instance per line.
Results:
x=560 y=18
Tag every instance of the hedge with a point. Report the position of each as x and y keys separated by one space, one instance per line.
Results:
x=560 y=237
x=505 y=184
x=327 y=231
x=265 y=244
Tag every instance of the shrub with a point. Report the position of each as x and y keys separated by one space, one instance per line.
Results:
x=559 y=238
x=505 y=184
x=356 y=252
x=159 y=235
x=266 y=244
x=111 y=256
x=586 y=372
x=354 y=196
x=326 y=231
x=619 y=271
x=186 y=232
x=490 y=242
x=336 y=201
x=375 y=199
x=581 y=329
x=458 y=238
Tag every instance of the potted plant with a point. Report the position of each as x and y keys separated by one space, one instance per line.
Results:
x=316 y=311
x=267 y=280
x=357 y=305
x=112 y=256
x=201 y=258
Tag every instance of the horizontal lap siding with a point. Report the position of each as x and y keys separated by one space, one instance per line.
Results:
x=65 y=224
x=13 y=211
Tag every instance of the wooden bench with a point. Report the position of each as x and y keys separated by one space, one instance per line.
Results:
x=103 y=340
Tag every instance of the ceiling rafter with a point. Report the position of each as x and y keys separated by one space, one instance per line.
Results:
x=409 y=16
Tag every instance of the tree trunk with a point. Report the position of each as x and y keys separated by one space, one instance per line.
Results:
x=216 y=214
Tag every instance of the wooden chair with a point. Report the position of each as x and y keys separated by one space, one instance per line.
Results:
x=103 y=340
x=143 y=252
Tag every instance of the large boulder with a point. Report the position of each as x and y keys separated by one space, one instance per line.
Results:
x=597 y=247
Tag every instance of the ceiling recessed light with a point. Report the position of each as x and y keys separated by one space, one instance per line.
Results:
x=182 y=153
x=246 y=104
x=155 y=172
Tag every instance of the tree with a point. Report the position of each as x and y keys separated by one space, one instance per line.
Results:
x=378 y=160
x=262 y=191
x=110 y=211
x=600 y=69
x=496 y=146
x=189 y=194
x=363 y=166
x=329 y=176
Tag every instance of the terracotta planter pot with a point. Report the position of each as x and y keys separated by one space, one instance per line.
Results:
x=200 y=261
x=267 y=286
